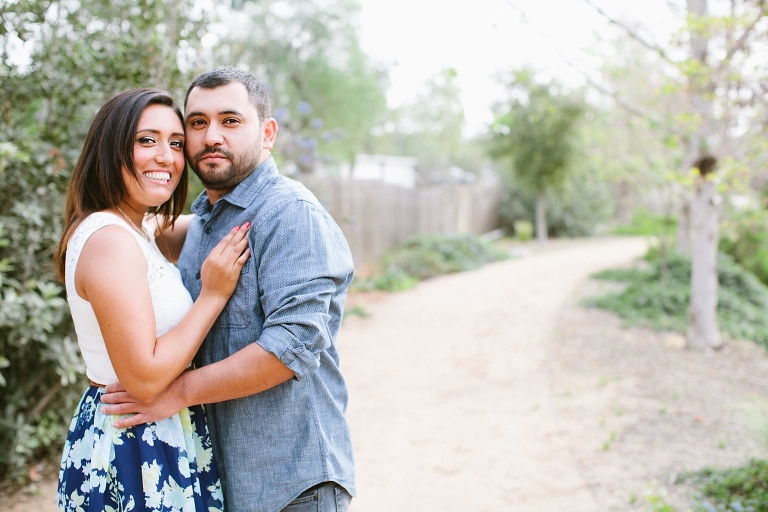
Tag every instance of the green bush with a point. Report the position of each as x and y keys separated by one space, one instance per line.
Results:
x=735 y=489
x=426 y=256
x=662 y=302
x=575 y=210
x=523 y=230
x=41 y=373
x=47 y=105
x=745 y=239
x=646 y=223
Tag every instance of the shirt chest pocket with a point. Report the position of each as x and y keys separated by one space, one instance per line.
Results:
x=242 y=308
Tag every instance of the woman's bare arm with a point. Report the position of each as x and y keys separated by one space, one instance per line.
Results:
x=111 y=275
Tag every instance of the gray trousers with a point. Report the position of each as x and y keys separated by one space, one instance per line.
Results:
x=326 y=497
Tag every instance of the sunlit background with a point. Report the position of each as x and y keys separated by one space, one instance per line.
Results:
x=521 y=146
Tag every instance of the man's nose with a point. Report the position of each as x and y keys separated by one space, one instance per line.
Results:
x=213 y=135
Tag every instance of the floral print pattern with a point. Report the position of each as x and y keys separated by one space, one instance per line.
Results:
x=165 y=466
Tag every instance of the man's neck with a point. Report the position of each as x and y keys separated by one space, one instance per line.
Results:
x=215 y=195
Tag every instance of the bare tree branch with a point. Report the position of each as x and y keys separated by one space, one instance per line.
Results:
x=741 y=41
x=620 y=101
x=633 y=34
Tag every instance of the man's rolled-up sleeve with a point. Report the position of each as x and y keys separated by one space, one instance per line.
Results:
x=305 y=262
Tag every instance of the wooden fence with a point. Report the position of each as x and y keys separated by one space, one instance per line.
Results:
x=376 y=216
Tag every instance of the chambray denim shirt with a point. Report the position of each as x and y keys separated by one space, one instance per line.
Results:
x=273 y=445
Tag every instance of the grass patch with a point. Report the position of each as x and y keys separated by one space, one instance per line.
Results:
x=427 y=256
x=738 y=489
x=658 y=297
x=358 y=311
x=646 y=223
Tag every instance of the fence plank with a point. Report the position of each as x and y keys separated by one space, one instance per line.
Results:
x=377 y=216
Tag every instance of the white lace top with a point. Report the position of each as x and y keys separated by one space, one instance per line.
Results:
x=170 y=299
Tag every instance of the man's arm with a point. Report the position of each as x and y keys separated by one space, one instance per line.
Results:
x=298 y=281
x=246 y=372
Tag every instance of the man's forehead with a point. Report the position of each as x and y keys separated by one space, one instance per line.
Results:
x=212 y=101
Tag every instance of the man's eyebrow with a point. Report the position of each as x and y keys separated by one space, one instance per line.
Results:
x=222 y=113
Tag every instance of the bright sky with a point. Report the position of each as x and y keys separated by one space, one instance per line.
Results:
x=478 y=38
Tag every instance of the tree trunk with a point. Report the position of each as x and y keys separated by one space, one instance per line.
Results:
x=541 y=217
x=703 y=331
x=684 y=228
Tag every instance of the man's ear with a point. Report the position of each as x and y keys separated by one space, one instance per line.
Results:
x=269 y=131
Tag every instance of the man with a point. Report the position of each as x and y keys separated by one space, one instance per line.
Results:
x=269 y=367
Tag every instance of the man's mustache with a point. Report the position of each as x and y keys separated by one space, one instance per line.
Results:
x=213 y=151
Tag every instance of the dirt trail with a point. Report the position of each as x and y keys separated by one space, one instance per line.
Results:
x=450 y=403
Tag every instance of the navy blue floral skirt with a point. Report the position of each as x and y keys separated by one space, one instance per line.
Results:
x=165 y=466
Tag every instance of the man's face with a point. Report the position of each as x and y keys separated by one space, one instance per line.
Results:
x=223 y=135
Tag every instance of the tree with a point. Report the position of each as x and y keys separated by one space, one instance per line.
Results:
x=327 y=92
x=429 y=128
x=535 y=133
x=79 y=55
x=723 y=86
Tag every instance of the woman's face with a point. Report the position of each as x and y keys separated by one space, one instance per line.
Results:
x=158 y=154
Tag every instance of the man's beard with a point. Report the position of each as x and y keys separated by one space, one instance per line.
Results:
x=227 y=178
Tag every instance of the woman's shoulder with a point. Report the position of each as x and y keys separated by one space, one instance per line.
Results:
x=99 y=226
x=95 y=221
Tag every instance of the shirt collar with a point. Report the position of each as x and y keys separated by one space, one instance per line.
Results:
x=245 y=191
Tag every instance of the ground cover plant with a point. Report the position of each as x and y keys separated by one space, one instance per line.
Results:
x=657 y=296
x=425 y=256
x=737 y=489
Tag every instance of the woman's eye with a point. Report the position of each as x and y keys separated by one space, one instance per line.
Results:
x=177 y=144
x=146 y=140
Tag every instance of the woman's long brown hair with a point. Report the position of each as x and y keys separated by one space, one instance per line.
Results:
x=97 y=181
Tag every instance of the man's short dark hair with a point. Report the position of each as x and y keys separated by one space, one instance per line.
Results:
x=258 y=91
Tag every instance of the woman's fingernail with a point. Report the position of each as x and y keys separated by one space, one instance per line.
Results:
x=246 y=225
x=237 y=228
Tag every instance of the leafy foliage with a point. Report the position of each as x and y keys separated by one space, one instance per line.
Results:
x=575 y=209
x=644 y=222
x=535 y=132
x=327 y=92
x=745 y=239
x=80 y=55
x=742 y=488
x=658 y=297
x=430 y=129
x=422 y=257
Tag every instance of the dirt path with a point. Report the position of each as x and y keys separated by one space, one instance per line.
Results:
x=451 y=407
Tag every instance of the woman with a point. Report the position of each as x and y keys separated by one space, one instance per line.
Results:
x=135 y=321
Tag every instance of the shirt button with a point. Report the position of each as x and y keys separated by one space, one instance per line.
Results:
x=197 y=276
x=208 y=230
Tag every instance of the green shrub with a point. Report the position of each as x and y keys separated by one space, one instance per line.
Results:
x=47 y=105
x=742 y=488
x=662 y=303
x=41 y=373
x=523 y=230
x=646 y=223
x=575 y=210
x=745 y=239
x=426 y=256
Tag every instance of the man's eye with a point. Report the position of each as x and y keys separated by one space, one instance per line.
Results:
x=196 y=122
x=231 y=120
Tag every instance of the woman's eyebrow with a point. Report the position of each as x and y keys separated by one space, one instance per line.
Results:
x=153 y=130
